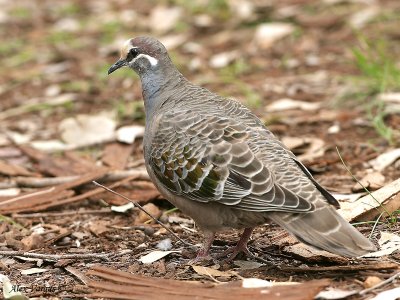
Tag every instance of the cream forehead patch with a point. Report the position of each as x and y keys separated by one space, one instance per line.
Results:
x=125 y=48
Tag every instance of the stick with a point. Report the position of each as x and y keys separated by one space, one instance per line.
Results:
x=62 y=214
x=143 y=210
x=345 y=268
x=78 y=274
x=55 y=257
x=390 y=279
x=34 y=182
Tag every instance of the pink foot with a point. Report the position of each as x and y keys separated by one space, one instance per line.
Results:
x=241 y=246
x=233 y=252
x=204 y=253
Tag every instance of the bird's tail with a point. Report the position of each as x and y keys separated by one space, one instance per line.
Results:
x=325 y=229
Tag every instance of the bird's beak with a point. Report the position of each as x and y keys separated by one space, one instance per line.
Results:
x=120 y=63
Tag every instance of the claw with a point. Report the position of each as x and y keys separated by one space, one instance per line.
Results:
x=241 y=246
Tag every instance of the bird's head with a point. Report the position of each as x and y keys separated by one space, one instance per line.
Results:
x=141 y=54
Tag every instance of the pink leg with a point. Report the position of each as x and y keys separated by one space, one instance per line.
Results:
x=241 y=246
x=204 y=252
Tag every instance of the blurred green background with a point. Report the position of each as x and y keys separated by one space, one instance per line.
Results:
x=54 y=55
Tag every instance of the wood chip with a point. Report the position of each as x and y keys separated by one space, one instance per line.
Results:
x=385 y=159
x=13 y=170
x=33 y=271
x=49 y=197
x=116 y=155
x=122 y=285
x=70 y=163
x=368 y=207
x=311 y=254
x=371 y=181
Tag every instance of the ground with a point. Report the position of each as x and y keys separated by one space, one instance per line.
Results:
x=323 y=78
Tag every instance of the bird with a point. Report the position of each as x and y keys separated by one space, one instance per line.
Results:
x=216 y=161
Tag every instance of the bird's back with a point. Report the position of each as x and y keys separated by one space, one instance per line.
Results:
x=185 y=114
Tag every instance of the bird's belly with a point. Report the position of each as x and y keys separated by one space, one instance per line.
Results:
x=215 y=216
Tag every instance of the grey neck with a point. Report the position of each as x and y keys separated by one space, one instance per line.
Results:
x=157 y=87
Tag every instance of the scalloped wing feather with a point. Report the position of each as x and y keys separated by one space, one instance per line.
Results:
x=211 y=158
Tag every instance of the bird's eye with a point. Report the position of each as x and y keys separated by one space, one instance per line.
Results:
x=133 y=52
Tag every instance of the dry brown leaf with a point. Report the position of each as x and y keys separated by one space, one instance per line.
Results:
x=371 y=181
x=98 y=227
x=212 y=272
x=306 y=148
x=34 y=241
x=12 y=240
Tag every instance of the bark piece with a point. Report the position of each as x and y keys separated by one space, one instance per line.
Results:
x=122 y=285
x=116 y=155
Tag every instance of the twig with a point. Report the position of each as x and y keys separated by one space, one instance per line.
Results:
x=55 y=257
x=376 y=223
x=122 y=252
x=344 y=268
x=78 y=274
x=62 y=214
x=382 y=283
x=57 y=198
x=360 y=183
x=34 y=182
x=143 y=210
x=27 y=195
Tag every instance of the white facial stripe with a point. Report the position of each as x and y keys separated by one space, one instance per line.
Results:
x=153 y=61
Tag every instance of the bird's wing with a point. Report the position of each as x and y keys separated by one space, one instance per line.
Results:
x=209 y=158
